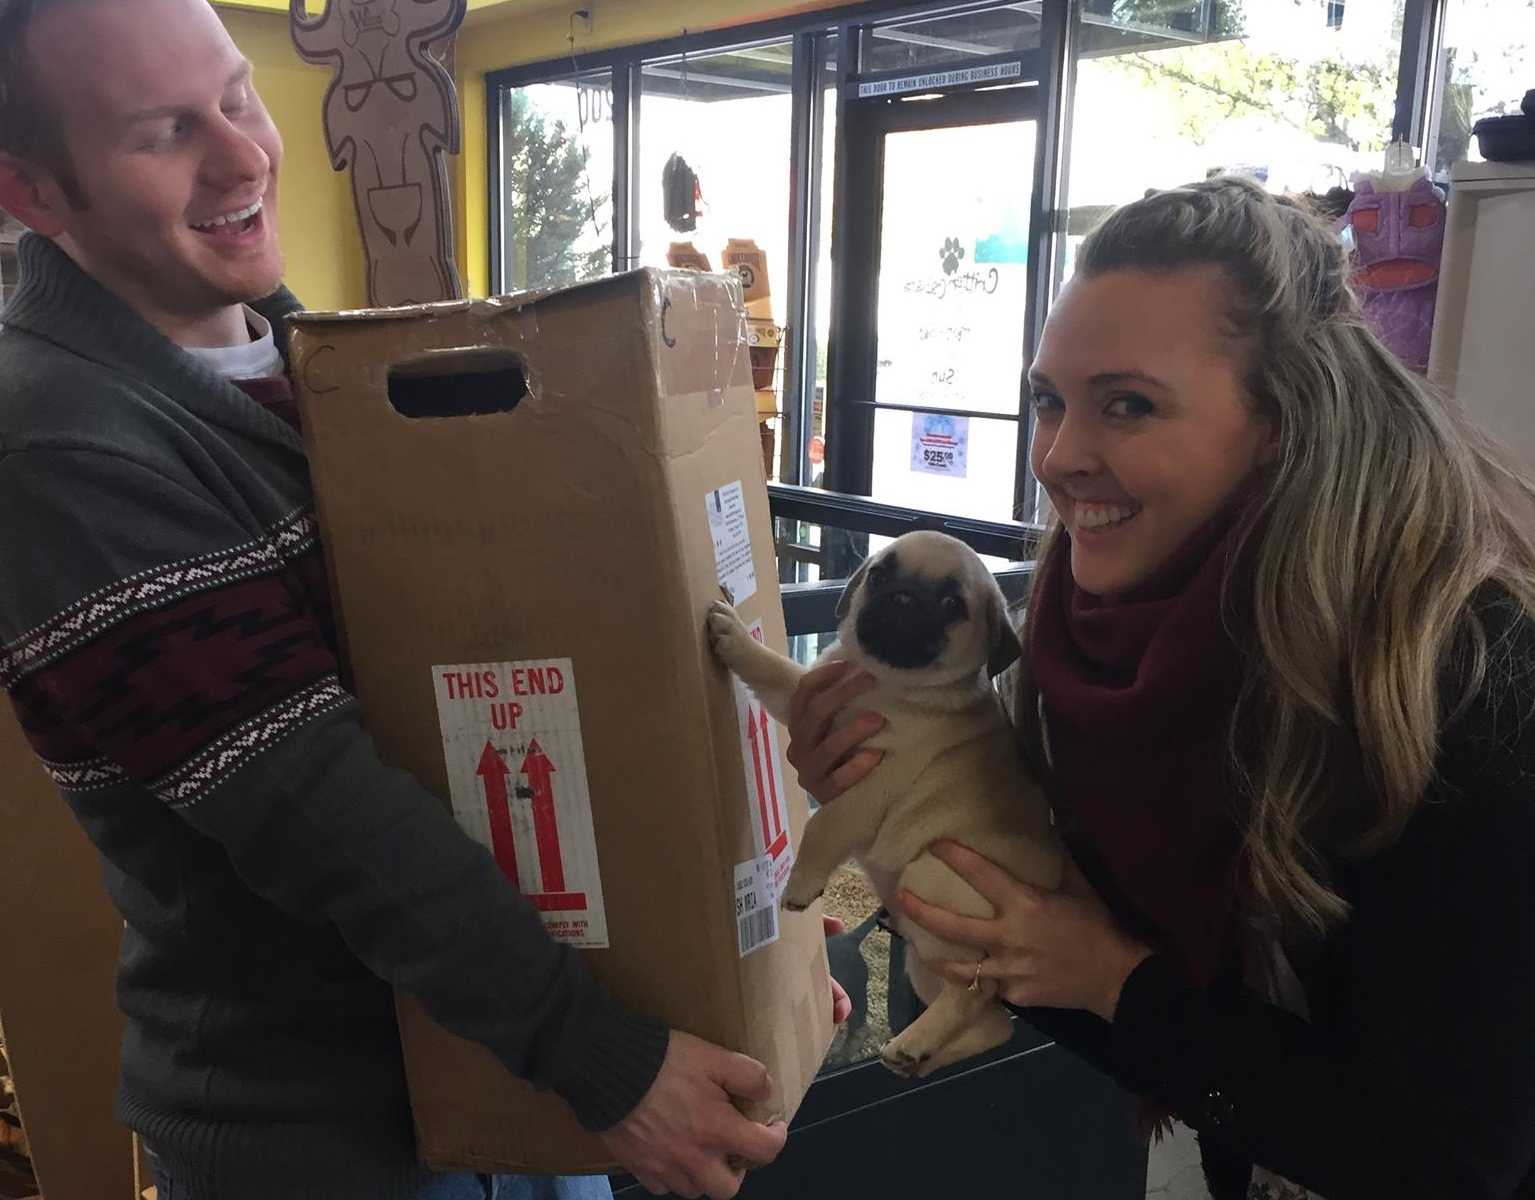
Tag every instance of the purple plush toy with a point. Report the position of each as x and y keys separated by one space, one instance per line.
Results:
x=1398 y=237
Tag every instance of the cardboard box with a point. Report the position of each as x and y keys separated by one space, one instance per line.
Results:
x=58 y=958
x=764 y=340
x=687 y=257
x=522 y=587
x=749 y=261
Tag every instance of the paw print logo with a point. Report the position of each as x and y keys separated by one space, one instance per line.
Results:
x=951 y=254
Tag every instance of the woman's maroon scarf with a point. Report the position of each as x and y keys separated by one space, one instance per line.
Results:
x=1138 y=695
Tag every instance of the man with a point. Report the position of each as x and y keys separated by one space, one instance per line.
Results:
x=166 y=637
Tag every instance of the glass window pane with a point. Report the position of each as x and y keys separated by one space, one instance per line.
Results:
x=950 y=41
x=860 y=960
x=821 y=257
x=1120 y=26
x=1297 y=95
x=953 y=290
x=727 y=117
x=1489 y=46
x=811 y=552
x=557 y=183
x=953 y=277
x=962 y=466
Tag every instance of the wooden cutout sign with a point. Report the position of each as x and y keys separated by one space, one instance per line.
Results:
x=391 y=117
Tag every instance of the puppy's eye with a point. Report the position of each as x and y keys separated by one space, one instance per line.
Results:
x=953 y=606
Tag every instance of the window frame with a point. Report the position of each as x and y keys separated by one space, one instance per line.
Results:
x=1053 y=65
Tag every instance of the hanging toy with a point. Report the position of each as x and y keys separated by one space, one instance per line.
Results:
x=683 y=196
x=1396 y=230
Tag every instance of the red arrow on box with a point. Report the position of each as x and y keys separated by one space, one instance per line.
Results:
x=767 y=756
x=758 y=755
x=546 y=828
x=494 y=773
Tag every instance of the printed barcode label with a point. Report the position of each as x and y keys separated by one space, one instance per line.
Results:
x=756 y=904
x=757 y=929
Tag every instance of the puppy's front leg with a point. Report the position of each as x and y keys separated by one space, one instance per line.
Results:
x=835 y=833
x=771 y=677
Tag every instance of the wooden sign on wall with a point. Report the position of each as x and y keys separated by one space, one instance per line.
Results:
x=391 y=118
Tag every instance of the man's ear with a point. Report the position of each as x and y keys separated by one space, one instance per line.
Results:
x=32 y=196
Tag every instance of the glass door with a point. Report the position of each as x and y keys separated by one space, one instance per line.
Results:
x=935 y=299
x=952 y=310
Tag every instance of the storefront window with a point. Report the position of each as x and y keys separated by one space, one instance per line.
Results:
x=1486 y=67
x=713 y=182
x=953 y=288
x=952 y=41
x=1297 y=95
x=557 y=183
x=820 y=254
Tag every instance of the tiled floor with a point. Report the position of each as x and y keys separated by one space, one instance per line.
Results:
x=1173 y=1173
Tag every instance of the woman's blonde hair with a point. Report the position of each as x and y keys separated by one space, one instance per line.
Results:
x=1387 y=511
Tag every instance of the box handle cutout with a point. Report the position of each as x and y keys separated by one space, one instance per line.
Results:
x=461 y=382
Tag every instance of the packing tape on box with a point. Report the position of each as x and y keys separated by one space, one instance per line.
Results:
x=699 y=344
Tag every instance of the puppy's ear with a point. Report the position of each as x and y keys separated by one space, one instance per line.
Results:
x=845 y=601
x=1006 y=648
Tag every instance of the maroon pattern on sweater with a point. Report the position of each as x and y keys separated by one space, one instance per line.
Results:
x=161 y=694
x=158 y=687
x=275 y=394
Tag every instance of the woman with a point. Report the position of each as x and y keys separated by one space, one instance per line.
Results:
x=1279 y=678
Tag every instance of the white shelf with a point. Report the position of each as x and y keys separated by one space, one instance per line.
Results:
x=1491 y=172
x=1484 y=320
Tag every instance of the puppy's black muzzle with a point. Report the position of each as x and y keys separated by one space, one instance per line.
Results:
x=903 y=627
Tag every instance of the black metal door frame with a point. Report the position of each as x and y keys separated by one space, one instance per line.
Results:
x=1036 y=94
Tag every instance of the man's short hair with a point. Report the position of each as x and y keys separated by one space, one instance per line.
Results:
x=29 y=126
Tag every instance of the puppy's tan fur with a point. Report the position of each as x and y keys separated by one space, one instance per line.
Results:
x=950 y=770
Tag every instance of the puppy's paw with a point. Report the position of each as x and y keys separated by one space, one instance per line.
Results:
x=800 y=891
x=901 y=1060
x=726 y=633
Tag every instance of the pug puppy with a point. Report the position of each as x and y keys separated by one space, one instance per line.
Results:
x=924 y=617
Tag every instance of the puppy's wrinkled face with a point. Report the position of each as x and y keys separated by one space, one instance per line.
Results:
x=925 y=604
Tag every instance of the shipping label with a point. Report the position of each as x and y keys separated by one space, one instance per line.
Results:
x=733 y=564
x=756 y=905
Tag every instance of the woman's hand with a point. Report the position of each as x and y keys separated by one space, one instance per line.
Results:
x=830 y=761
x=1046 y=949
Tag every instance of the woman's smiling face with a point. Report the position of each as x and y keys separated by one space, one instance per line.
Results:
x=1143 y=429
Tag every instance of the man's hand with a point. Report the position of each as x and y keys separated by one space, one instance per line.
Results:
x=684 y=1135
x=841 y=1003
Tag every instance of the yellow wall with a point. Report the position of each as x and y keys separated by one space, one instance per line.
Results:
x=316 y=220
x=318 y=225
